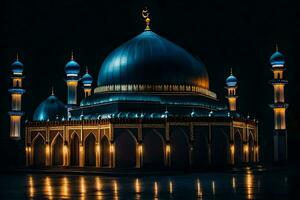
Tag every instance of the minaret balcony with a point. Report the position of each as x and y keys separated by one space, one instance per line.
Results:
x=16 y=91
x=15 y=113
x=278 y=81
x=279 y=105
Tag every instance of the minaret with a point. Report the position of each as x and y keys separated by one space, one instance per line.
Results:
x=16 y=99
x=72 y=70
x=231 y=86
x=279 y=107
x=87 y=81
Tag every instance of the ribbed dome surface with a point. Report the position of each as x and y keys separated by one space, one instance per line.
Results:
x=50 y=109
x=72 y=67
x=231 y=81
x=151 y=59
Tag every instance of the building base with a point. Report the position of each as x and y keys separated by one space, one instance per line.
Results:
x=280 y=146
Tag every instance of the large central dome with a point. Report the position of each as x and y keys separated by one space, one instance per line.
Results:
x=150 y=59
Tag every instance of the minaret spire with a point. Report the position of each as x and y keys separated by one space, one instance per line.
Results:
x=17 y=56
x=145 y=15
x=276 y=47
x=52 y=91
x=231 y=86
x=72 y=55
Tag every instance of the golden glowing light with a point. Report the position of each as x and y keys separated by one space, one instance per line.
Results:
x=31 y=187
x=233 y=183
x=98 y=186
x=112 y=148
x=140 y=149
x=155 y=189
x=116 y=190
x=246 y=148
x=249 y=186
x=82 y=187
x=65 y=187
x=170 y=187
x=213 y=186
x=48 y=188
x=199 y=190
x=137 y=186
x=232 y=148
x=168 y=148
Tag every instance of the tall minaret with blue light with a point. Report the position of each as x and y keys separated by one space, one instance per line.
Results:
x=231 y=86
x=16 y=92
x=87 y=81
x=72 y=70
x=279 y=106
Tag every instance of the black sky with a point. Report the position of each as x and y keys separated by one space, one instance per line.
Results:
x=224 y=34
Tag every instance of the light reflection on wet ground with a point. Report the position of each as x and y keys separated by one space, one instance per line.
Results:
x=266 y=185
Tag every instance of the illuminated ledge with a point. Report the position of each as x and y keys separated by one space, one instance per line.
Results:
x=278 y=81
x=17 y=91
x=16 y=113
x=156 y=88
x=279 y=105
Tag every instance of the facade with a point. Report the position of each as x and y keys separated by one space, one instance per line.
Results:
x=152 y=108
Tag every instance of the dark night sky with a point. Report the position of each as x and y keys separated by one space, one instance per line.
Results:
x=223 y=34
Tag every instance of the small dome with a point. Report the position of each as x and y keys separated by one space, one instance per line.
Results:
x=17 y=67
x=50 y=109
x=231 y=81
x=72 y=67
x=277 y=58
x=87 y=78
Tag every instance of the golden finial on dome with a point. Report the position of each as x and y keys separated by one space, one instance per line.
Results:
x=17 y=56
x=145 y=15
x=231 y=71
x=276 y=47
x=72 y=55
x=52 y=91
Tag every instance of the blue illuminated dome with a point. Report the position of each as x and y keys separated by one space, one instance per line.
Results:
x=17 y=67
x=50 y=109
x=231 y=81
x=72 y=67
x=151 y=59
x=277 y=58
x=87 y=78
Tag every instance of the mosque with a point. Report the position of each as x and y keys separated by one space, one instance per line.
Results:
x=152 y=108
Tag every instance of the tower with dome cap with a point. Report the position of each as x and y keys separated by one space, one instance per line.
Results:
x=231 y=86
x=87 y=81
x=72 y=70
x=16 y=92
x=279 y=106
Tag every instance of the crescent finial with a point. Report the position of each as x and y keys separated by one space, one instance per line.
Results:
x=145 y=15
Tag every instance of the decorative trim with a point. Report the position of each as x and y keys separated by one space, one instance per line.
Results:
x=156 y=88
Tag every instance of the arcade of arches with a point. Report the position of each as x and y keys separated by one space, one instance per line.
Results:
x=135 y=146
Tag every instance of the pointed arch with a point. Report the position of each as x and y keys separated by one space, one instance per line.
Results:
x=200 y=150
x=39 y=153
x=251 y=148
x=90 y=150
x=74 y=147
x=220 y=147
x=125 y=149
x=104 y=150
x=238 y=148
x=57 y=150
x=153 y=151
x=179 y=148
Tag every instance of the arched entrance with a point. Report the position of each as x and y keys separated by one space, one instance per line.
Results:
x=39 y=151
x=57 y=151
x=238 y=149
x=104 y=149
x=90 y=152
x=219 y=148
x=200 y=150
x=251 y=148
x=153 y=150
x=125 y=149
x=179 y=149
x=74 y=150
